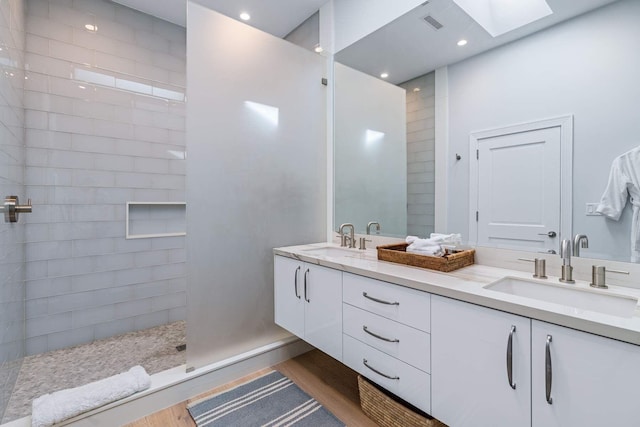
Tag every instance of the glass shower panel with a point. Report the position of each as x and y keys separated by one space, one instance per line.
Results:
x=256 y=176
x=11 y=183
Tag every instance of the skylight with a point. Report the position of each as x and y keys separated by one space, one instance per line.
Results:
x=501 y=16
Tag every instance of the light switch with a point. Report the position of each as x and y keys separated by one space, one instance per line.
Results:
x=591 y=209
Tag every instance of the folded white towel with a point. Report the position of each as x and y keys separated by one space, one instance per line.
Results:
x=61 y=405
x=416 y=242
x=430 y=250
x=452 y=239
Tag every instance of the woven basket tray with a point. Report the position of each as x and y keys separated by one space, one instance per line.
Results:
x=398 y=253
x=386 y=412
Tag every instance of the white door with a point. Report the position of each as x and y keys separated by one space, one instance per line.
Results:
x=470 y=382
x=593 y=381
x=519 y=187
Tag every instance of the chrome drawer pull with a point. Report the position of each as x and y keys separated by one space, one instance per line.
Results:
x=364 y=361
x=364 y=294
x=548 y=372
x=510 y=358
x=295 y=283
x=306 y=273
x=364 y=328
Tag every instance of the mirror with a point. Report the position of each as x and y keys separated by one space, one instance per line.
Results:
x=554 y=67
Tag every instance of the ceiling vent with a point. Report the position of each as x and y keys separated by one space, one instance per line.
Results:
x=433 y=22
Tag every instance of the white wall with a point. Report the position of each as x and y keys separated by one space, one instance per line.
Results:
x=588 y=67
x=355 y=19
x=11 y=183
x=104 y=125
x=370 y=175
x=256 y=176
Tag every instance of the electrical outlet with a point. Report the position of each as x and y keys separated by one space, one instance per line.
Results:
x=591 y=209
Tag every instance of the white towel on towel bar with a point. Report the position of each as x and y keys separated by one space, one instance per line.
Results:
x=64 y=404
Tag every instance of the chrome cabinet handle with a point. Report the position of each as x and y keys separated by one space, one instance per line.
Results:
x=295 y=283
x=364 y=361
x=510 y=358
x=306 y=273
x=548 y=371
x=364 y=294
x=380 y=337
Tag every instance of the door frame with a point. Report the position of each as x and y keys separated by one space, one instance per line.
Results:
x=565 y=123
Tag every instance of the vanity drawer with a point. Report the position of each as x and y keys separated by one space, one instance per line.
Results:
x=408 y=344
x=406 y=382
x=394 y=302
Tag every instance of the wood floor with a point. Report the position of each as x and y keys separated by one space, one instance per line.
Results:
x=328 y=381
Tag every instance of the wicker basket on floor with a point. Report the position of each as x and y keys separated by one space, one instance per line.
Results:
x=386 y=412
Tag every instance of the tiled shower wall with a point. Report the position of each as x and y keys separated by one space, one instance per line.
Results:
x=420 y=155
x=104 y=105
x=11 y=180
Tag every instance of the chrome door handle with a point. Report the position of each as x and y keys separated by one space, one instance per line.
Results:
x=295 y=283
x=548 y=372
x=510 y=358
x=380 y=337
x=548 y=234
x=364 y=294
x=364 y=361
x=306 y=273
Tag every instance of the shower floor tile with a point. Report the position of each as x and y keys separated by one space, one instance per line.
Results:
x=154 y=349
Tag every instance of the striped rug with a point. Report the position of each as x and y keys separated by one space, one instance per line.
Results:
x=272 y=400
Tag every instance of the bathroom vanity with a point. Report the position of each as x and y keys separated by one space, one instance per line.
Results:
x=458 y=348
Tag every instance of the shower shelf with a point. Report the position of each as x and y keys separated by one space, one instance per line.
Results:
x=155 y=219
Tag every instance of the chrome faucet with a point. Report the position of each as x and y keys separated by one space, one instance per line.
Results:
x=377 y=224
x=567 y=269
x=580 y=240
x=343 y=237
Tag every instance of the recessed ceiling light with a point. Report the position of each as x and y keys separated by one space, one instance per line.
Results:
x=82 y=87
x=416 y=89
x=91 y=27
x=462 y=42
x=318 y=49
x=384 y=75
x=245 y=16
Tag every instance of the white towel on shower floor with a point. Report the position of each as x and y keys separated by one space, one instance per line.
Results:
x=61 y=405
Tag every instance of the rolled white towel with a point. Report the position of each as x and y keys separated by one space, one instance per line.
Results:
x=61 y=405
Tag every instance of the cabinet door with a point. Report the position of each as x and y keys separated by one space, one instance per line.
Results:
x=469 y=372
x=288 y=288
x=322 y=293
x=594 y=380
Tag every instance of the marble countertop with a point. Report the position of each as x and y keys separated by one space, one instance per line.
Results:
x=467 y=284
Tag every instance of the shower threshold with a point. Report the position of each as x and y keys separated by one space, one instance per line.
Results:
x=154 y=349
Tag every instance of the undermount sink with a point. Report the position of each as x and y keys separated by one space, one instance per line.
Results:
x=583 y=299
x=331 y=251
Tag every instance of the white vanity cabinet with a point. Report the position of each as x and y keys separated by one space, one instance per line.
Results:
x=476 y=381
x=308 y=303
x=593 y=380
x=386 y=337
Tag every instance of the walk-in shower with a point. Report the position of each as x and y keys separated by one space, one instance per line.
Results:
x=92 y=130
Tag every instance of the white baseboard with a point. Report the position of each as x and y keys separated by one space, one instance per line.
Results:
x=175 y=385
